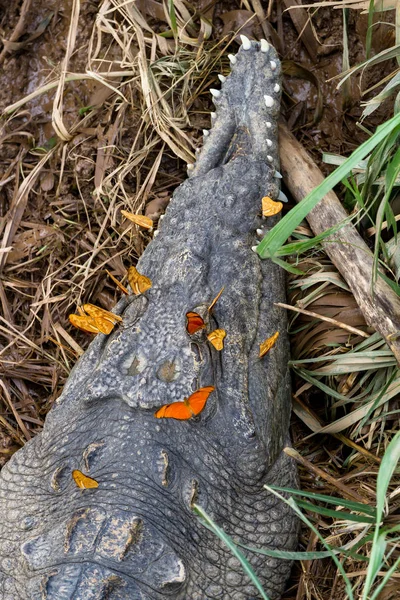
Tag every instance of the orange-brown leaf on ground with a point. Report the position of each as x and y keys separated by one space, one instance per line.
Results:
x=270 y=207
x=268 y=344
x=140 y=220
x=138 y=282
x=84 y=481
x=216 y=338
x=187 y=409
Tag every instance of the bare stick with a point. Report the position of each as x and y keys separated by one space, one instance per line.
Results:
x=347 y=250
x=323 y=318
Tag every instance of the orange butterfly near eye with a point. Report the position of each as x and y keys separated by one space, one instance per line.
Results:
x=138 y=282
x=187 y=409
x=268 y=344
x=195 y=322
x=216 y=338
x=94 y=319
x=84 y=481
x=270 y=207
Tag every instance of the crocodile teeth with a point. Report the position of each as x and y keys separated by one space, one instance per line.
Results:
x=264 y=46
x=215 y=93
x=222 y=78
x=277 y=87
x=269 y=143
x=273 y=65
x=282 y=197
x=269 y=101
x=277 y=175
x=190 y=166
x=270 y=158
x=268 y=124
x=155 y=234
x=245 y=42
x=198 y=150
x=206 y=133
x=213 y=115
x=233 y=59
x=260 y=232
x=160 y=218
x=254 y=248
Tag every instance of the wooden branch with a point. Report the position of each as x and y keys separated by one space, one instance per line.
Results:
x=346 y=248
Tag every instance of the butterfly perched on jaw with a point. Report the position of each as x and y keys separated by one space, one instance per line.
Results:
x=190 y=407
x=94 y=319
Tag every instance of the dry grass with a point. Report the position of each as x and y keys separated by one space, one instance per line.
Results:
x=145 y=75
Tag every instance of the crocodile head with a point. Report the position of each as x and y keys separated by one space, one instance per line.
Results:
x=130 y=532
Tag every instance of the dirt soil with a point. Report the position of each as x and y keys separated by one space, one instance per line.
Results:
x=63 y=235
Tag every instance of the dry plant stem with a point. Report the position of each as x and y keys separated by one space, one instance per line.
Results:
x=344 y=489
x=322 y=318
x=346 y=249
x=301 y=20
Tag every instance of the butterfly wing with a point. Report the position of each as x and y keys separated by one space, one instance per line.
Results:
x=270 y=207
x=97 y=312
x=176 y=410
x=194 y=322
x=268 y=344
x=216 y=338
x=198 y=399
x=138 y=282
x=84 y=481
x=84 y=323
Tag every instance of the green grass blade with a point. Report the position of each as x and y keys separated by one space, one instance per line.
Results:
x=290 y=502
x=386 y=470
x=335 y=514
x=279 y=234
x=232 y=547
x=287 y=555
x=349 y=504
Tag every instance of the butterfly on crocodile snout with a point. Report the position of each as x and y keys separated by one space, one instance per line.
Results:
x=190 y=407
x=268 y=344
x=270 y=207
x=194 y=322
x=138 y=282
x=84 y=481
x=216 y=338
x=93 y=319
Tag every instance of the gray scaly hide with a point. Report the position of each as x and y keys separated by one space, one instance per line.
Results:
x=135 y=536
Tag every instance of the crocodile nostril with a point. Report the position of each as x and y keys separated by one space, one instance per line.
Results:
x=168 y=371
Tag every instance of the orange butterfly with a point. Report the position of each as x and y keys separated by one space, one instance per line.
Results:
x=188 y=408
x=270 y=207
x=84 y=481
x=140 y=220
x=194 y=322
x=216 y=338
x=268 y=344
x=138 y=282
x=94 y=319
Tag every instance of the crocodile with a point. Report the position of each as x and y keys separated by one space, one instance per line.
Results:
x=133 y=533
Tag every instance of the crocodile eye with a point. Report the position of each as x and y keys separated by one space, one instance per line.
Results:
x=168 y=371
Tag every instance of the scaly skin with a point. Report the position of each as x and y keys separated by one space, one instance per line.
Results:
x=136 y=536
